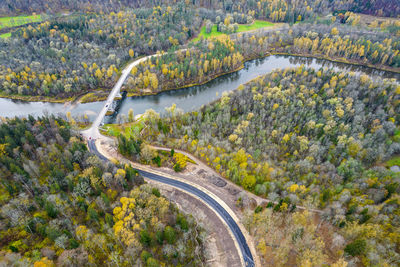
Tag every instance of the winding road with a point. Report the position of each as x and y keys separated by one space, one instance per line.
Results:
x=93 y=133
x=209 y=200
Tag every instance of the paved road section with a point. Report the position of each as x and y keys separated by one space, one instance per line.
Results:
x=245 y=250
x=93 y=131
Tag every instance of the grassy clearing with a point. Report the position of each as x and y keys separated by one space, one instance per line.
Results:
x=8 y=22
x=256 y=25
x=393 y=162
x=242 y=28
x=131 y=129
x=205 y=35
x=5 y=35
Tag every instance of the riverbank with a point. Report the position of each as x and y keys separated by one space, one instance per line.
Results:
x=339 y=60
x=102 y=94
x=33 y=98
x=84 y=97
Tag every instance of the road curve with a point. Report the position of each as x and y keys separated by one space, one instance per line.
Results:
x=244 y=248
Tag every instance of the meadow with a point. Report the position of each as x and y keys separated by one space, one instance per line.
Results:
x=242 y=28
x=10 y=22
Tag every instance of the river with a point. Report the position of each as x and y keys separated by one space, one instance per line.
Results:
x=188 y=98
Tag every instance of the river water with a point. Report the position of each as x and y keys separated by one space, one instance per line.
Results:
x=188 y=98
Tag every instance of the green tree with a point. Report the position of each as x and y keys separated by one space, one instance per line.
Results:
x=169 y=234
x=356 y=248
x=151 y=262
x=249 y=181
x=145 y=237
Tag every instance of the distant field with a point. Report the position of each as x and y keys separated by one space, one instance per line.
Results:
x=242 y=28
x=7 y=22
x=5 y=35
x=256 y=25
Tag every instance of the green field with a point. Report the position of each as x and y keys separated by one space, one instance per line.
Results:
x=256 y=25
x=242 y=28
x=8 y=22
x=5 y=35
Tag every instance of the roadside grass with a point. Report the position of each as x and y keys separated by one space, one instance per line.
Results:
x=165 y=158
x=242 y=28
x=131 y=129
x=8 y=22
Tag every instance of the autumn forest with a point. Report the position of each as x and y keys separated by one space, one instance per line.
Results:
x=309 y=157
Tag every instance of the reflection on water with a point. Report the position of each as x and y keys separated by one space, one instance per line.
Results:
x=188 y=98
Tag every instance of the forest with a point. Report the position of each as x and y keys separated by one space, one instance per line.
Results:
x=303 y=137
x=381 y=8
x=67 y=56
x=64 y=57
x=61 y=205
x=278 y=10
x=314 y=146
x=209 y=58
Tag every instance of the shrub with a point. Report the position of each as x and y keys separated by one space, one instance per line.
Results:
x=357 y=247
x=145 y=255
x=51 y=210
x=109 y=219
x=177 y=167
x=181 y=160
x=73 y=243
x=92 y=214
x=151 y=262
x=182 y=222
x=160 y=237
x=157 y=160
x=169 y=234
x=145 y=238
x=258 y=209
x=155 y=192
x=249 y=182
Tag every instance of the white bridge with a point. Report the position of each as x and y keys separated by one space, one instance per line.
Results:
x=93 y=131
